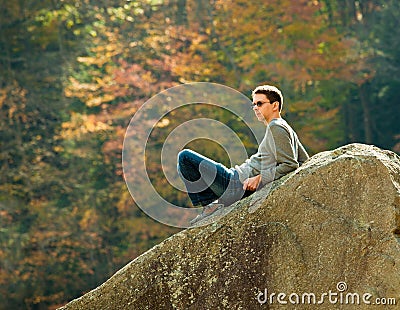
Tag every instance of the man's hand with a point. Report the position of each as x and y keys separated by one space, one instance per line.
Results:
x=251 y=184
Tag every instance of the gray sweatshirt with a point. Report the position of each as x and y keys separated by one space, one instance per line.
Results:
x=279 y=153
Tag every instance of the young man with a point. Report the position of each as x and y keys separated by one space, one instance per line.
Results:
x=212 y=185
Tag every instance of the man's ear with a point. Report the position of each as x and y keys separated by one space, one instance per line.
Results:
x=276 y=105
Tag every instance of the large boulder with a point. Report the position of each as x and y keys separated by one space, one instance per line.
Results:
x=327 y=233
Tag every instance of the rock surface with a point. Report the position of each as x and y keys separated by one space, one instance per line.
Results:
x=331 y=228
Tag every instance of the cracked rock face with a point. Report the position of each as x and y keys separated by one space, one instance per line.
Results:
x=327 y=233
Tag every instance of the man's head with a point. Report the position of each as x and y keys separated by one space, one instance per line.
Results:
x=271 y=92
x=267 y=102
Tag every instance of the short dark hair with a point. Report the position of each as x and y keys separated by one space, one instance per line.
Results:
x=271 y=92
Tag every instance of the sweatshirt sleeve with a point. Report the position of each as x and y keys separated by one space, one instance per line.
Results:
x=286 y=158
x=303 y=155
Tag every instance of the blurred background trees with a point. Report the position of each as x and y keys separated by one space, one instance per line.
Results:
x=73 y=73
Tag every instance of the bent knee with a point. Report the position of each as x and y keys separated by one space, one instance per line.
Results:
x=183 y=155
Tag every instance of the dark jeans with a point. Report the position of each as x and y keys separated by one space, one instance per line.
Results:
x=207 y=180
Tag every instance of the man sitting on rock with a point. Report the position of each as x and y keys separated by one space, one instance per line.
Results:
x=213 y=186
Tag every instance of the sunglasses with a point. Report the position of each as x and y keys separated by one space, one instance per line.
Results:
x=259 y=103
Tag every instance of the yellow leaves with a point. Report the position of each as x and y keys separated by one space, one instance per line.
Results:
x=301 y=107
x=81 y=124
x=108 y=49
x=96 y=101
x=163 y=123
x=13 y=97
x=249 y=59
x=92 y=125
x=199 y=42
x=125 y=203
x=89 y=60
x=103 y=53
x=329 y=114
x=3 y=96
x=58 y=148
x=52 y=298
x=321 y=47
x=98 y=60
x=90 y=93
x=75 y=88
x=89 y=219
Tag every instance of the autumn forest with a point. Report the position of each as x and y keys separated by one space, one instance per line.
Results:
x=74 y=72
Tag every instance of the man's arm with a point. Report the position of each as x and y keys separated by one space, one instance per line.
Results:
x=303 y=155
x=286 y=158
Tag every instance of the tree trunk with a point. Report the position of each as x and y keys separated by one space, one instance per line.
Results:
x=181 y=16
x=365 y=104
x=349 y=122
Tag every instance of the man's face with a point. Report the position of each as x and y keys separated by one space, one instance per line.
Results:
x=263 y=108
